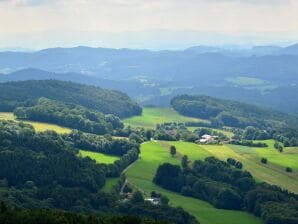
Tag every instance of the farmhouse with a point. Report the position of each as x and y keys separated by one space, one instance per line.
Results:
x=154 y=201
x=208 y=138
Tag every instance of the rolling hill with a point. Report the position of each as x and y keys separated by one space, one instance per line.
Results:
x=14 y=94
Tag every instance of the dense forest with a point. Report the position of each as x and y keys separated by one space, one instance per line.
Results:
x=16 y=94
x=264 y=123
x=12 y=216
x=69 y=115
x=226 y=186
x=44 y=171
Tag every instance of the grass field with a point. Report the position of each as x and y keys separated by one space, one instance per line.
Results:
x=152 y=116
x=38 y=126
x=153 y=154
x=110 y=183
x=99 y=157
x=273 y=172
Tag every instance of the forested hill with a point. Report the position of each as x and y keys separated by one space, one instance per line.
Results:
x=15 y=94
x=231 y=113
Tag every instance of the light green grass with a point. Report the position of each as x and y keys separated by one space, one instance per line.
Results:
x=38 y=126
x=153 y=115
x=110 y=183
x=272 y=173
x=99 y=157
x=141 y=173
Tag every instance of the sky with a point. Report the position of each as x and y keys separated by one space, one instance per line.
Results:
x=152 y=24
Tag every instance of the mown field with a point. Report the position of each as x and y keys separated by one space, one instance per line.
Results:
x=141 y=173
x=38 y=126
x=153 y=115
x=273 y=172
x=99 y=157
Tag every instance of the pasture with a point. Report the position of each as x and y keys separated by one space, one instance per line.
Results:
x=38 y=126
x=141 y=173
x=273 y=172
x=152 y=116
x=99 y=157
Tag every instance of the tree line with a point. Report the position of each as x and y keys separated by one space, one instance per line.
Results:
x=69 y=115
x=23 y=93
x=267 y=123
x=43 y=171
x=228 y=187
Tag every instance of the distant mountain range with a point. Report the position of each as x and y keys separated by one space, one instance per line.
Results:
x=266 y=75
x=200 y=64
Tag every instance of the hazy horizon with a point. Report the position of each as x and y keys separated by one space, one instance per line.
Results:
x=163 y=24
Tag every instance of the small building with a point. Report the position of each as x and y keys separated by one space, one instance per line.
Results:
x=207 y=139
x=154 y=201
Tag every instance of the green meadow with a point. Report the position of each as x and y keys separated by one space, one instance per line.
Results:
x=273 y=172
x=110 y=183
x=38 y=126
x=152 y=116
x=141 y=173
x=99 y=157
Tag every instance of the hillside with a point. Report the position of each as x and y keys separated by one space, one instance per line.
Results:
x=14 y=94
x=231 y=113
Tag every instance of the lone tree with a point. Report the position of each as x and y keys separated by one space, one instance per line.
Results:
x=164 y=200
x=289 y=169
x=264 y=160
x=184 y=161
x=173 y=150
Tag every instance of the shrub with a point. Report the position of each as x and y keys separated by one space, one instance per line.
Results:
x=264 y=160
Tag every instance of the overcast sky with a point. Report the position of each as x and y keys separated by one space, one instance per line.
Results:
x=146 y=23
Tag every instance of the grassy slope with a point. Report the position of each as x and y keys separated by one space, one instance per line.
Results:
x=272 y=173
x=110 y=183
x=152 y=116
x=155 y=153
x=99 y=157
x=38 y=126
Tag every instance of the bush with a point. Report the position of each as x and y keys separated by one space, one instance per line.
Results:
x=289 y=169
x=264 y=160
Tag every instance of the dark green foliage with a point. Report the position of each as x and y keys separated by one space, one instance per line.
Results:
x=190 y=106
x=13 y=216
x=137 y=197
x=264 y=160
x=289 y=169
x=173 y=150
x=164 y=200
x=174 y=132
x=278 y=146
x=69 y=115
x=249 y=143
x=168 y=176
x=24 y=93
x=43 y=170
x=228 y=188
x=211 y=180
x=234 y=163
x=184 y=162
x=157 y=212
x=101 y=144
x=259 y=123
